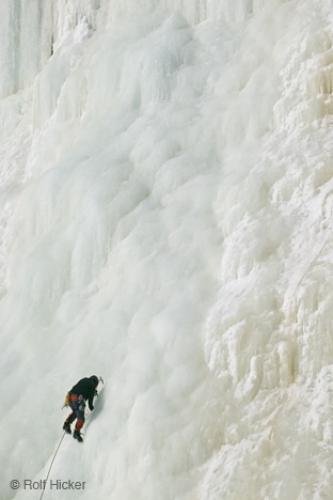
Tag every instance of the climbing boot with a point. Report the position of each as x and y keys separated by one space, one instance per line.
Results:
x=77 y=435
x=67 y=427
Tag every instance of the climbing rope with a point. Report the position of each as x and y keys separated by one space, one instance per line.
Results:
x=48 y=473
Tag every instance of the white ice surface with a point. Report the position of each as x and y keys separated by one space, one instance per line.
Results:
x=166 y=204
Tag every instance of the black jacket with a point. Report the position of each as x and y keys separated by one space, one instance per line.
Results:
x=86 y=388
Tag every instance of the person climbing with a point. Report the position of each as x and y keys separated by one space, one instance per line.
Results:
x=76 y=398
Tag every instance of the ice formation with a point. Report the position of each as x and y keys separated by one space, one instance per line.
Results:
x=166 y=203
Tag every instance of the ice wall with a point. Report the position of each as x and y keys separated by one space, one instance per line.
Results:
x=33 y=29
x=31 y=32
x=165 y=188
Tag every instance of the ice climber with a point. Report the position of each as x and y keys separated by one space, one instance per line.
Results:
x=84 y=390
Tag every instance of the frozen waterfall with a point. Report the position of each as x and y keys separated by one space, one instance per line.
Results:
x=166 y=198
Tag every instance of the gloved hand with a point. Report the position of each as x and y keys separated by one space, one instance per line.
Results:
x=91 y=408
